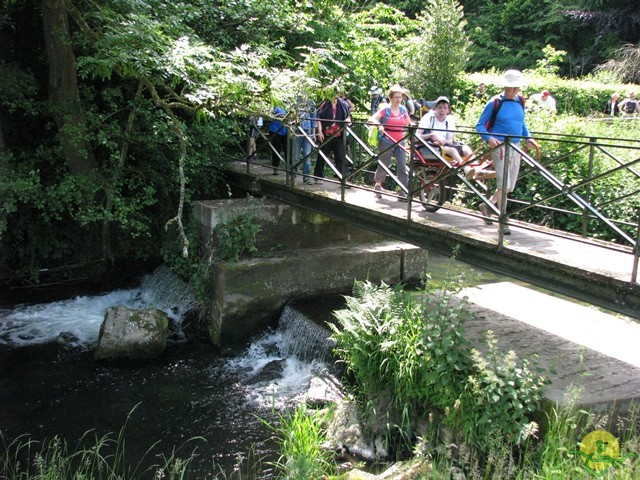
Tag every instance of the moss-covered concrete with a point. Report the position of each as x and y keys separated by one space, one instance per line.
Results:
x=305 y=255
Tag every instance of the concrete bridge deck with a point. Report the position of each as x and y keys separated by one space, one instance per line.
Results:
x=599 y=273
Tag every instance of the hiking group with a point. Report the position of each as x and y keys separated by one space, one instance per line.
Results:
x=502 y=117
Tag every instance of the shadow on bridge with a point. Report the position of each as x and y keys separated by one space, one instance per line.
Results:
x=603 y=273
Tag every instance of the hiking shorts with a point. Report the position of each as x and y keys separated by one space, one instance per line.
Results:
x=497 y=156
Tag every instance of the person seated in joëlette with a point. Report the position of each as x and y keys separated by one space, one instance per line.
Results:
x=437 y=127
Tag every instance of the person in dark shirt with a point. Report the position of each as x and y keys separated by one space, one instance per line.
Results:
x=332 y=114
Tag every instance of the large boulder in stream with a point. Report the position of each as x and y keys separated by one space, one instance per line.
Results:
x=132 y=333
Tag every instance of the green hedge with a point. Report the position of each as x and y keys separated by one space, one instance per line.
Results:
x=576 y=97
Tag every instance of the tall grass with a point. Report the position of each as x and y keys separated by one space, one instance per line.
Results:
x=300 y=436
x=27 y=459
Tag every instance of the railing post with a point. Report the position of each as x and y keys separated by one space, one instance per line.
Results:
x=636 y=256
x=587 y=195
x=411 y=183
x=288 y=151
x=342 y=176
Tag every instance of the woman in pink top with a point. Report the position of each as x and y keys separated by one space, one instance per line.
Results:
x=392 y=122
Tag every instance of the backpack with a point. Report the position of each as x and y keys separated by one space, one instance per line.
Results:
x=387 y=113
x=630 y=106
x=497 y=104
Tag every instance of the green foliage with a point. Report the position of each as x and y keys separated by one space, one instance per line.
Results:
x=435 y=57
x=550 y=63
x=415 y=353
x=300 y=435
x=500 y=396
x=94 y=457
x=236 y=236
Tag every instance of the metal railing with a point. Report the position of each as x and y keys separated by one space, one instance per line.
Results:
x=557 y=199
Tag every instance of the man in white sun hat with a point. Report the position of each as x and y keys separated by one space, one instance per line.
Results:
x=503 y=116
x=377 y=98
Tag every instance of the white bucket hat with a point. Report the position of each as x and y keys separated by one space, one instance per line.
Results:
x=375 y=90
x=513 y=78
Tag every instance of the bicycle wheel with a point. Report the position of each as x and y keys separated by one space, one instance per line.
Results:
x=433 y=192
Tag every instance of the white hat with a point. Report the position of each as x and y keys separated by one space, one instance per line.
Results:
x=512 y=78
x=375 y=90
x=442 y=99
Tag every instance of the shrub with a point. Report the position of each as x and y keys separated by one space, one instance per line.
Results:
x=413 y=350
x=499 y=397
x=236 y=236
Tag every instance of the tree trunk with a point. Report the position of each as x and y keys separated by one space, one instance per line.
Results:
x=64 y=96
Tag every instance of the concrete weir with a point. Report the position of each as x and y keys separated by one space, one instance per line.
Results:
x=305 y=254
x=302 y=254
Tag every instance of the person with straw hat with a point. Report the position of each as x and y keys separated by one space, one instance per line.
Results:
x=391 y=123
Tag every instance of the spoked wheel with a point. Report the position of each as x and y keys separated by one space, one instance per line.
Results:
x=433 y=192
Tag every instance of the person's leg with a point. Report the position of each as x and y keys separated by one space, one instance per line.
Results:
x=306 y=157
x=452 y=152
x=277 y=141
x=400 y=155
x=339 y=155
x=497 y=157
x=251 y=145
x=318 y=170
x=384 y=158
x=513 y=170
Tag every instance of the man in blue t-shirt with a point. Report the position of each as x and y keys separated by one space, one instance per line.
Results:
x=504 y=116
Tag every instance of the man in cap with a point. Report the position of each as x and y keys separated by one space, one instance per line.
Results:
x=377 y=98
x=545 y=101
x=504 y=116
x=437 y=127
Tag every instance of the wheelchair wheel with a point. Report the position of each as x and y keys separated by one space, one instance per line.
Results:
x=433 y=193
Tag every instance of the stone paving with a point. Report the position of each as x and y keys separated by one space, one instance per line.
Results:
x=585 y=347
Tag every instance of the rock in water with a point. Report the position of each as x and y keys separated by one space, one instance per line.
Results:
x=131 y=333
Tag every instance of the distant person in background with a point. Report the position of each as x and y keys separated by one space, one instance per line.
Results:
x=545 y=101
x=481 y=92
x=255 y=123
x=613 y=109
x=278 y=140
x=408 y=103
x=302 y=147
x=377 y=99
x=629 y=106
x=332 y=114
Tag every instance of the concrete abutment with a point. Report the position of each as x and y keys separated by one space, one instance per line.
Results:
x=302 y=254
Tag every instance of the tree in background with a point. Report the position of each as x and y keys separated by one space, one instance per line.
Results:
x=513 y=33
x=436 y=56
x=141 y=117
x=624 y=64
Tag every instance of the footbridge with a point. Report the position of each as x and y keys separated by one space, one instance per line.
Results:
x=562 y=237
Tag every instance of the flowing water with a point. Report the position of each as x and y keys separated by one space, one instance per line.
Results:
x=191 y=397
